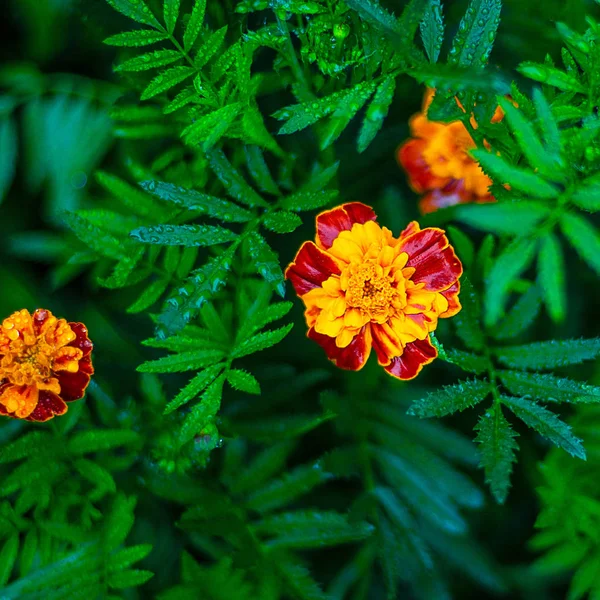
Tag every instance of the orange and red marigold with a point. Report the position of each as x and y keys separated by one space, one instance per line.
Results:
x=364 y=288
x=44 y=363
x=438 y=164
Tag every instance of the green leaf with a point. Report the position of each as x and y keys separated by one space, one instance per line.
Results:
x=282 y=221
x=209 y=128
x=137 y=11
x=468 y=326
x=587 y=194
x=127 y=556
x=8 y=151
x=498 y=446
x=28 y=552
x=345 y=111
x=124 y=269
x=282 y=492
x=547 y=124
x=583 y=237
x=151 y=60
x=450 y=398
x=311 y=529
x=465 y=249
x=203 y=413
x=8 y=557
x=261 y=341
x=184 y=235
x=129 y=578
x=376 y=113
x=277 y=428
x=200 y=286
x=166 y=80
x=546 y=423
x=86 y=442
x=200 y=202
x=196 y=386
x=258 y=169
x=243 y=381
x=551 y=273
x=549 y=388
x=372 y=12
x=150 y=295
x=210 y=47
x=520 y=316
x=184 y=361
x=509 y=265
x=476 y=33
x=472 y=363
x=99 y=241
x=528 y=141
x=519 y=179
x=134 y=39
x=301 y=116
x=266 y=261
x=309 y=200
x=548 y=355
x=185 y=97
x=299 y=580
x=301 y=7
x=194 y=25
x=432 y=30
x=171 y=13
x=551 y=76
x=234 y=183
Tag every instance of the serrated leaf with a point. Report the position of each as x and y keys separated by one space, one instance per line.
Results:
x=194 y=387
x=277 y=428
x=243 y=381
x=166 y=80
x=497 y=446
x=210 y=47
x=468 y=326
x=546 y=423
x=432 y=30
x=376 y=112
x=261 y=341
x=509 y=265
x=135 y=39
x=549 y=355
x=587 y=194
x=127 y=556
x=266 y=261
x=308 y=200
x=551 y=274
x=583 y=237
x=257 y=166
x=192 y=200
x=184 y=361
x=282 y=221
x=203 y=413
x=123 y=270
x=234 y=183
x=8 y=557
x=194 y=25
x=547 y=124
x=8 y=151
x=150 y=295
x=100 y=241
x=301 y=116
x=208 y=129
x=150 y=60
x=476 y=33
x=472 y=363
x=520 y=316
x=184 y=235
x=450 y=398
x=509 y=218
x=372 y=12
x=550 y=76
x=301 y=7
x=311 y=529
x=528 y=141
x=85 y=442
x=171 y=13
x=549 y=388
x=185 y=97
x=519 y=179
x=200 y=286
x=299 y=580
x=137 y=11
x=129 y=578
x=255 y=321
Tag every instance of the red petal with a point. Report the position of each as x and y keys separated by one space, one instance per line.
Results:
x=454 y=306
x=433 y=259
x=49 y=404
x=85 y=365
x=331 y=222
x=40 y=316
x=412 y=227
x=410 y=157
x=82 y=341
x=310 y=268
x=72 y=385
x=385 y=343
x=416 y=354
x=353 y=357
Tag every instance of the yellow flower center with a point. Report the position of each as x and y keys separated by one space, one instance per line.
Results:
x=369 y=289
x=28 y=359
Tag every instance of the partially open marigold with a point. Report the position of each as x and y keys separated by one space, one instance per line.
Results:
x=44 y=363
x=363 y=288
x=438 y=162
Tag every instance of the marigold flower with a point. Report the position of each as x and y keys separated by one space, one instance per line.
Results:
x=44 y=363
x=438 y=162
x=364 y=288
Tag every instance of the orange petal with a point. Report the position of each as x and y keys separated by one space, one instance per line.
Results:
x=20 y=400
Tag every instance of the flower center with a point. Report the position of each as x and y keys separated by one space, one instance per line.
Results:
x=369 y=288
x=26 y=364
